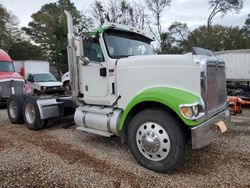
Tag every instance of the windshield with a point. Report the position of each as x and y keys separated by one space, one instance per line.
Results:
x=202 y=51
x=125 y=44
x=44 y=78
x=6 y=66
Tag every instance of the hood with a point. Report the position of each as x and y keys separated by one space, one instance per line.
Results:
x=10 y=75
x=139 y=73
x=157 y=60
x=50 y=84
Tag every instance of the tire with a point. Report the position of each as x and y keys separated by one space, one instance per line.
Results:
x=31 y=114
x=15 y=109
x=156 y=140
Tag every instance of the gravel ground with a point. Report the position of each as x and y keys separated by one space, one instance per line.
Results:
x=57 y=157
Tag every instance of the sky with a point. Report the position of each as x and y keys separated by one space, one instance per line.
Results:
x=192 y=12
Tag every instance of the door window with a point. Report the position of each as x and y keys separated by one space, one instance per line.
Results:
x=30 y=78
x=92 y=50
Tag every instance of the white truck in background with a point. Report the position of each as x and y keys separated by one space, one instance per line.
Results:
x=37 y=75
x=161 y=106
x=65 y=80
x=26 y=67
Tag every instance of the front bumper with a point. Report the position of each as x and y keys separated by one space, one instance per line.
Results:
x=205 y=133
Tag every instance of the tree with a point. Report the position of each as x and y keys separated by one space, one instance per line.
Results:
x=246 y=29
x=48 y=29
x=179 y=32
x=157 y=7
x=247 y=26
x=24 y=50
x=222 y=7
x=222 y=38
x=8 y=28
x=119 y=11
x=174 y=41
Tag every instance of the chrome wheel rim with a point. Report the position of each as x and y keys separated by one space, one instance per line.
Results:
x=30 y=113
x=153 y=141
x=13 y=109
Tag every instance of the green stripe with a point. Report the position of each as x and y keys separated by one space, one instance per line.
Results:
x=169 y=97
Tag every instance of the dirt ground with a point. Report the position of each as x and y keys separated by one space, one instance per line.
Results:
x=57 y=157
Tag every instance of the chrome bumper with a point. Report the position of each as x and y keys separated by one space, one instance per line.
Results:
x=205 y=133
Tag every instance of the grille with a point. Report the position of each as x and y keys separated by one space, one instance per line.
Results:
x=214 y=92
x=10 y=87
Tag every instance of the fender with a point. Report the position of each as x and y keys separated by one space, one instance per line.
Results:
x=170 y=97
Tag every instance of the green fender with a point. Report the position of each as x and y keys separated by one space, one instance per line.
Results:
x=169 y=97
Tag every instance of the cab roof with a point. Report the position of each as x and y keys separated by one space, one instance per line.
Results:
x=121 y=27
x=4 y=56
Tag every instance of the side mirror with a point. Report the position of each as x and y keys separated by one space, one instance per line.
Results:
x=84 y=60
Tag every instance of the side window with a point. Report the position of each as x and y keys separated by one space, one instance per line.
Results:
x=30 y=78
x=92 y=50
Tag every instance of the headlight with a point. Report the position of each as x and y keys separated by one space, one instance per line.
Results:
x=192 y=111
x=44 y=87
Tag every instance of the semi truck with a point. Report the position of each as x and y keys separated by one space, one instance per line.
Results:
x=10 y=81
x=161 y=106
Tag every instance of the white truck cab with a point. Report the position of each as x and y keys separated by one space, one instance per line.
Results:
x=159 y=105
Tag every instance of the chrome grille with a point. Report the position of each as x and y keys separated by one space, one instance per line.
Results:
x=10 y=87
x=214 y=87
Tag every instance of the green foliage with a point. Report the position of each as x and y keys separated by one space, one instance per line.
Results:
x=8 y=28
x=246 y=29
x=220 y=38
x=49 y=30
x=24 y=50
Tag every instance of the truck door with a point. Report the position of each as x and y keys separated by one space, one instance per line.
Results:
x=93 y=83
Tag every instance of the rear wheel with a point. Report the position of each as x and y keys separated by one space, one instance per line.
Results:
x=31 y=115
x=14 y=108
x=157 y=141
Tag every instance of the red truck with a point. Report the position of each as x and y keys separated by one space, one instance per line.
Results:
x=10 y=81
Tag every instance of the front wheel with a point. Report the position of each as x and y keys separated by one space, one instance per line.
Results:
x=157 y=141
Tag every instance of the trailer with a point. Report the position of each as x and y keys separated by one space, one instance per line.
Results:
x=237 y=64
x=237 y=72
x=161 y=106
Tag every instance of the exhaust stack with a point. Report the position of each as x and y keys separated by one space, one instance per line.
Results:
x=72 y=60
